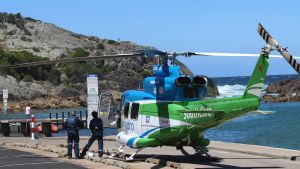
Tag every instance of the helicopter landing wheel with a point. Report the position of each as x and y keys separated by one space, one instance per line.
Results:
x=202 y=152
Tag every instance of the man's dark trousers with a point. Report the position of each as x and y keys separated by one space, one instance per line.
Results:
x=73 y=136
x=95 y=136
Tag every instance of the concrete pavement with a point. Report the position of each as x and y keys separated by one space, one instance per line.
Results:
x=232 y=155
x=10 y=158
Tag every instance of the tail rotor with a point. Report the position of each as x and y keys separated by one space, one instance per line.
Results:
x=275 y=45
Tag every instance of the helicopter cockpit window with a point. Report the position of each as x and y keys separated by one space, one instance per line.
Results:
x=126 y=110
x=135 y=110
x=190 y=92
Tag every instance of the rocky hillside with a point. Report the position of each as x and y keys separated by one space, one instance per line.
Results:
x=283 y=91
x=24 y=39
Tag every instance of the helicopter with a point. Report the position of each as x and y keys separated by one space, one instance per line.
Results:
x=173 y=108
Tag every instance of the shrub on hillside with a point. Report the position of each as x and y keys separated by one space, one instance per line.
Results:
x=79 y=52
x=112 y=42
x=27 y=78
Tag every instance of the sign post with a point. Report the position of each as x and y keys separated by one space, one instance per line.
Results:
x=93 y=96
x=5 y=98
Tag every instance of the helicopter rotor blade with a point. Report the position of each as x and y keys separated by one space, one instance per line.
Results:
x=183 y=68
x=273 y=43
x=71 y=60
x=234 y=55
x=150 y=52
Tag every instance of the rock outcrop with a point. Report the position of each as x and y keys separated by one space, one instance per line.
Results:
x=283 y=91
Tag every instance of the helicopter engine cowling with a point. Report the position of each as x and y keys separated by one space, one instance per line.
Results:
x=199 y=81
x=182 y=81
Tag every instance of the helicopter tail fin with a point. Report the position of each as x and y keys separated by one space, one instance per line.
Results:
x=256 y=82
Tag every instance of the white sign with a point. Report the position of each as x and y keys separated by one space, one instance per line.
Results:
x=93 y=97
x=93 y=102
x=5 y=94
x=27 y=110
x=92 y=85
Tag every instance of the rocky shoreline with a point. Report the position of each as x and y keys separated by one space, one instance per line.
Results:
x=283 y=91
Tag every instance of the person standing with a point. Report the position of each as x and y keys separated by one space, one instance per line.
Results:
x=72 y=126
x=96 y=127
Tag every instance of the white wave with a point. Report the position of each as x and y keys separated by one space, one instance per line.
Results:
x=234 y=90
x=231 y=90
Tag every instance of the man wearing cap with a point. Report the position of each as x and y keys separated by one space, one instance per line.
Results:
x=96 y=127
x=72 y=126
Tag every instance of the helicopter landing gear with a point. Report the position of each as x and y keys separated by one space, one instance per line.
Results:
x=130 y=158
x=201 y=152
x=182 y=150
x=120 y=155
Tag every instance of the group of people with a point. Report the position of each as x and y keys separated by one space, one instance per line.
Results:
x=72 y=125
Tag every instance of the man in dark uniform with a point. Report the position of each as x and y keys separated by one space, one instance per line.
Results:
x=72 y=126
x=96 y=127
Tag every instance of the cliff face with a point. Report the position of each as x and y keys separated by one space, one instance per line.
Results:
x=38 y=39
x=284 y=91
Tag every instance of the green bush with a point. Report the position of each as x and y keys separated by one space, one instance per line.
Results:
x=30 y=19
x=17 y=57
x=24 y=38
x=112 y=42
x=79 y=52
x=27 y=78
x=145 y=73
x=100 y=46
x=35 y=49
x=54 y=77
x=11 y=19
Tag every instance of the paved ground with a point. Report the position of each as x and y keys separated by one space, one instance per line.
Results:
x=10 y=158
x=229 y=159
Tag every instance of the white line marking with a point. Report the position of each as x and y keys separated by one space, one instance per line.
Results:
x=23 y=164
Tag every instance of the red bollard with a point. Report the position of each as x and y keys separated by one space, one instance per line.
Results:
x=32 y=127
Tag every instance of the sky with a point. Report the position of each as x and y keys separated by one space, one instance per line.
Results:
x=186 y=25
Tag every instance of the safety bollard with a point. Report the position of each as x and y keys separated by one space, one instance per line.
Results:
x=32 y=127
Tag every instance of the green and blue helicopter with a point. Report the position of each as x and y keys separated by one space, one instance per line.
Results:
x=173 y=108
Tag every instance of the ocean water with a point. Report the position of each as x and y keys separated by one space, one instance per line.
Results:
x=278 y=129
x=281 y=128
